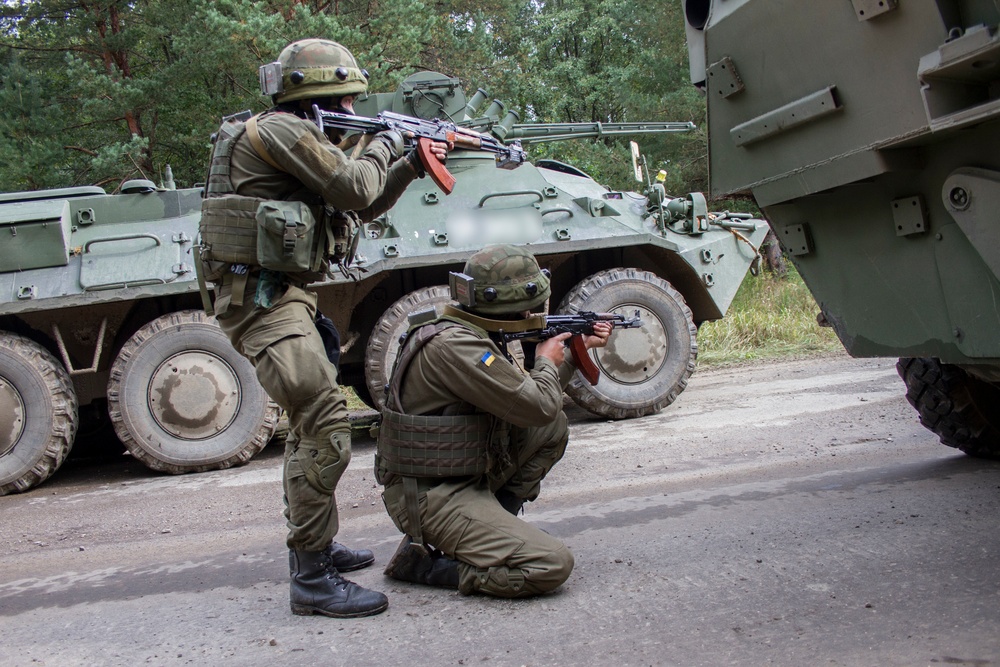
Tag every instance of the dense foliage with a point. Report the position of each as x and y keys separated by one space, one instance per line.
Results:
x=94 y=92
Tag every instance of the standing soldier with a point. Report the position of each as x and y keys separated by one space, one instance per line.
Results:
x=282 y=202
x=467 y=436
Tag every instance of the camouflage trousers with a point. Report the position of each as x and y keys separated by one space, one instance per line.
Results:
x=498 y=553
x=291 y=364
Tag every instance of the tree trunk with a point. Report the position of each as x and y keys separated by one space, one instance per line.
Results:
x=773 y=258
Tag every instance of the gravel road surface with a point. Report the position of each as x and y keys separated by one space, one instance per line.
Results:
x=793 y=513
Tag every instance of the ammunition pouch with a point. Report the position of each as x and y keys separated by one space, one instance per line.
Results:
x=287 y=238
x=284 y=236
x=342 y=229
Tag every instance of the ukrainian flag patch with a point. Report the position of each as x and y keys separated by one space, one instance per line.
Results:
x=487 y=359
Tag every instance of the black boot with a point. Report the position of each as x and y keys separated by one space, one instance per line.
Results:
x=317 y=588
x=348 y=560
x=509 y=501
x=414 y=564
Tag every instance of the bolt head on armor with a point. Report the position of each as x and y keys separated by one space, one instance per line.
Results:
x=319 y=68
x=507 y=280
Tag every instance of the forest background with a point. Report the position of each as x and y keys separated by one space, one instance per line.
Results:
x=98 y=92
x=94 y=93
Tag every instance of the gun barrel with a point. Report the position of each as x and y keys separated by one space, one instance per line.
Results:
x=545 y=132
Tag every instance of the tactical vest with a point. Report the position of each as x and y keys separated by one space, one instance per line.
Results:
x=293 y=237
x=418 y=446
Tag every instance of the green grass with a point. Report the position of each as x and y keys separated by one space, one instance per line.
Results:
x=353 y=402
x=770 y=318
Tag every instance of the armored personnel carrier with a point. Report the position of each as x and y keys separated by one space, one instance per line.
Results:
x=100 y=311
x=868 y=133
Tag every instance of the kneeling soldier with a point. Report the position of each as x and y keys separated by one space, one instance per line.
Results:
x=467 y=437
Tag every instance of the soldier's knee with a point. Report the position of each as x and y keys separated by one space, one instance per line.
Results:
x=558 y=565
x=549 y=572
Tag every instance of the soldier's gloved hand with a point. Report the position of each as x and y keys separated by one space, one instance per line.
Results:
x=553 y=349
x=394 y=140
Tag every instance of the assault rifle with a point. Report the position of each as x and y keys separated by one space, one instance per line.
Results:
x=422 y=133
x=579 y=325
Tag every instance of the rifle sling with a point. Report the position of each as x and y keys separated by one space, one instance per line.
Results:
x=258 y=144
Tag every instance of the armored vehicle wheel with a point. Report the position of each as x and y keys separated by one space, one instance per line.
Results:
x=183 y=400
x=38 y=414
x=383 y=344
x=644 y=369
x=961 y=409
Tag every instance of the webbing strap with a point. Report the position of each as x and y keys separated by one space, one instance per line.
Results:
x=206 y=300
x=238 y=283
x=407 y=352
x=239 y=287
x=410 y=492
x=258 y=144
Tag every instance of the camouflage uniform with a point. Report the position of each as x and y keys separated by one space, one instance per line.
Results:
x=282 y=341
x=460 y=371
x=269 y=315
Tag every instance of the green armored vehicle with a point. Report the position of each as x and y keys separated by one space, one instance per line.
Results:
x=100 y=311
x=868 y=133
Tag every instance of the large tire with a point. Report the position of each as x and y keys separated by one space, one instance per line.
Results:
x=183 y=400
x=38 y=414
x=961 y=409
x=642 y=370
x=383 y=344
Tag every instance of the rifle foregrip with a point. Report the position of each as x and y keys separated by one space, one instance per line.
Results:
x=434 y=167
x=582 y=360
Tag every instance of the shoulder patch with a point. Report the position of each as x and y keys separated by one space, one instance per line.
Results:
x=487 y=359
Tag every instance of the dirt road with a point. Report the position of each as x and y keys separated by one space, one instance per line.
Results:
x=786 y=514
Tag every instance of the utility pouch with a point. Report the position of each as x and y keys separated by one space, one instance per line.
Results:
x=287 y=237
x=343 y=231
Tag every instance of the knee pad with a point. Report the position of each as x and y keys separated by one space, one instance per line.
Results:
x=323 y=464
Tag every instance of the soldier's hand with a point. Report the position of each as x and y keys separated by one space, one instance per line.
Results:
x=440 y=149
x=602 y=331
x=553 y=349
x=394 y=141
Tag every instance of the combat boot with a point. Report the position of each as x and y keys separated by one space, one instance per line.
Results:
x=344 y=559
x=414 y=564
x=318 y=588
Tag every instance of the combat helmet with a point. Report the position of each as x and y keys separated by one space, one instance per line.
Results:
x=313 y=68
x=507 y=280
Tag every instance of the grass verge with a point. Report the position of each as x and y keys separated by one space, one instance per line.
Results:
x=771 y=317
